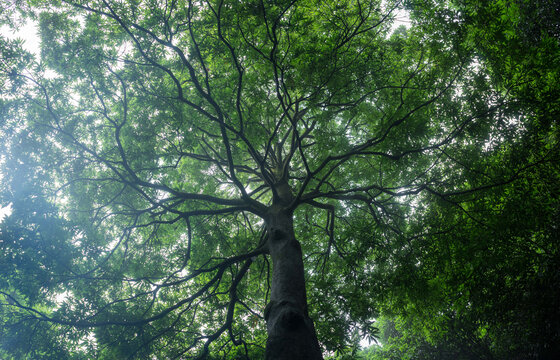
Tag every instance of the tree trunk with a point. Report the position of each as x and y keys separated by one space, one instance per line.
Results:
x=291 y=334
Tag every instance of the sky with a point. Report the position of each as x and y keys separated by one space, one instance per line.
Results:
x=28 y=33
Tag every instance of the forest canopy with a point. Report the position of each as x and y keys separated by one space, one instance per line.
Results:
x=223 y=179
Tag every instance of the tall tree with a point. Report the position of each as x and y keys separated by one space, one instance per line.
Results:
x=204 y=166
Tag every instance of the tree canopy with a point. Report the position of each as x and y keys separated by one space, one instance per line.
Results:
x=281 y=179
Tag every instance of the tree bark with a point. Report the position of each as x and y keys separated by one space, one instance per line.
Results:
x=291 y=333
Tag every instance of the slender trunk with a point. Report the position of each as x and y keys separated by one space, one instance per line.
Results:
x=291 y=334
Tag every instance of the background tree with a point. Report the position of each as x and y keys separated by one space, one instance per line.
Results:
x=487 y=269
x=186 y=172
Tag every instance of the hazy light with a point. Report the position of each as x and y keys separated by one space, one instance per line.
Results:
x=5 y=212
x=28 y=33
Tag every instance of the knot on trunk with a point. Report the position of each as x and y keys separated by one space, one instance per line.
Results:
x=291 y=335
x=284 y=314
x=277 y=234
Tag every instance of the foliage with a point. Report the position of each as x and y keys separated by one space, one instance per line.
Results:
x=486 y=265
x=149 y=141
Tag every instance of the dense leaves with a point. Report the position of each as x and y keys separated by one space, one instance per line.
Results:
x=487 y=266
x=151 y=144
